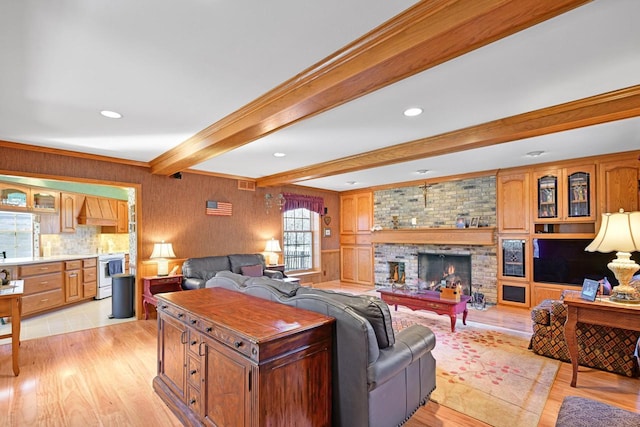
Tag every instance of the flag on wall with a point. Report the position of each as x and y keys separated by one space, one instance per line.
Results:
x=218 y=208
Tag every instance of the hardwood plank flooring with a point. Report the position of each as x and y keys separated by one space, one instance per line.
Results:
x=102 y=377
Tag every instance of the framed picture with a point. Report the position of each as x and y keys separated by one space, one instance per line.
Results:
x=460 y=223
x=589 y=289
x=474 y=222
x=327 y=232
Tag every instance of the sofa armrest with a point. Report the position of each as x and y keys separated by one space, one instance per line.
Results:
x=273 y=274
x=192 y=283
x=411 y=344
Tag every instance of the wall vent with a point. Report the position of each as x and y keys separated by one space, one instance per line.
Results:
x=246 y=185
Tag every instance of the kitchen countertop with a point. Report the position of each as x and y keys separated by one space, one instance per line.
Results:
x=42 y=259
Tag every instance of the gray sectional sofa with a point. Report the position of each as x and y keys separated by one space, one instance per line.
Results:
x=379 y=378
x=196 y=271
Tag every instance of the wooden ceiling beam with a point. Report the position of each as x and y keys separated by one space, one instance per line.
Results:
x=607 y=107
x=425 y=35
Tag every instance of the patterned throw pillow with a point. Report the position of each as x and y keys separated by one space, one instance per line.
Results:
x=252 y=270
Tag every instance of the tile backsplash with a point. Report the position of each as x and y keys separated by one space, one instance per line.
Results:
x=86 y=240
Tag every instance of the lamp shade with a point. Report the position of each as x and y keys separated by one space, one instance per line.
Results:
x=162 y=250
x=619 y=232
x=273 y=245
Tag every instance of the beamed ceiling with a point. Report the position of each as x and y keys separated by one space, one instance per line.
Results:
x=207 y=87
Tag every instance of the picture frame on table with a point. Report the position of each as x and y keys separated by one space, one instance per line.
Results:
x=590 y=289
x=474 y=222
x=460 y=222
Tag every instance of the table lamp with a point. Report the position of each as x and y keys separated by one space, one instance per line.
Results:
x=620 y=232
x=162 y=251
x=272 y=247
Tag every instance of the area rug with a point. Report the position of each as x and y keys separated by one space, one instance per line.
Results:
x=485 y=372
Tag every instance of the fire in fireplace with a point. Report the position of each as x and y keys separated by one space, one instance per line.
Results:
x=439 y=270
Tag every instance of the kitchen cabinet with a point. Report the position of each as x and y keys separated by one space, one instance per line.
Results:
x=73 y=280
x=513 y=201
x=97 y=211
x=619 y=185
x=25 y=198
x=68 y=213
x=220 y=367
x=564 y=194
x=43 y=286
x=89 y=277
x=356 y=252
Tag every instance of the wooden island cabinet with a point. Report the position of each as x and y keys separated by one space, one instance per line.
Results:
x=229 y=359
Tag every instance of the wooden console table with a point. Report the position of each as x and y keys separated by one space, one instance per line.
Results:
x=427 y=300
x=11 y=306
x=225 y=358
x=153 y=285
x=600 y=312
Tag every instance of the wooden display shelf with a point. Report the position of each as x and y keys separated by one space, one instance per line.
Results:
x=483 y=236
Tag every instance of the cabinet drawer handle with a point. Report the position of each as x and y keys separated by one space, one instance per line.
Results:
x=180 y=315
x=193 y=321
x=200 y=353
x=209 y=329
x=192 y=401
x=193 y=372
x=164 y=306
x=44 y=283
x=183 y=337
x=237 y=344
x=44 y=300
x=194 y=342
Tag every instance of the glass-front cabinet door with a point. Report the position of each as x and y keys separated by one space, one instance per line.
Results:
x=548 y=197
x=564 y=195
x=578 y=195
x=14 y=197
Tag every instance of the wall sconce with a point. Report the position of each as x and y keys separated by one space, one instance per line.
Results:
x=271 y=248
x=620 y=232
x=162 y=251
x=269 y=200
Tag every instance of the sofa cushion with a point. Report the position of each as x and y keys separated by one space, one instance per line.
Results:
x=251 y=270
x=285 y=288
x=238 y=278
x=373 y=309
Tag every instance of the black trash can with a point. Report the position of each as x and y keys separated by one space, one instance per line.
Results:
x=123 y=296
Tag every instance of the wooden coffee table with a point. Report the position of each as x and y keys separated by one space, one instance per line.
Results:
x=427 y=300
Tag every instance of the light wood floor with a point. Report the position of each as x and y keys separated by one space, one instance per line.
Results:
x=102 y=377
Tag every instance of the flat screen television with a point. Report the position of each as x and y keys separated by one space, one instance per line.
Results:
x=565 y=261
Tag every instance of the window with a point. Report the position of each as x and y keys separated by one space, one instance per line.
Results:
x=16 y=234
x=301 y=239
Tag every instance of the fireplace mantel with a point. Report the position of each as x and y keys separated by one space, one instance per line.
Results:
x=483 y=236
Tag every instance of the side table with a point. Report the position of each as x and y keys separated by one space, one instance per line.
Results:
x=157 y=285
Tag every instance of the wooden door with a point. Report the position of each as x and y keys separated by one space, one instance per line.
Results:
x=348 y=263
x=348 y=213
x=67 y=213
x=364 y=212
x=73 y=285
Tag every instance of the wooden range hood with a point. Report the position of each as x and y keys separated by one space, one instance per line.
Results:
x=483 y=236
x=97 y=211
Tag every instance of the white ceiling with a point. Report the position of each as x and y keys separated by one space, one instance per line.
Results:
x=173 y=68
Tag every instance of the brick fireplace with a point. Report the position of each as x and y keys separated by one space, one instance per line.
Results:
x=483 y=263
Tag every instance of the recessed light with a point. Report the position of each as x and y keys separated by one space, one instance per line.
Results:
x=111 y=114
x=412 y=112
x=351 y=182
x=422 y=171
x=279 y=154
x=535 y=153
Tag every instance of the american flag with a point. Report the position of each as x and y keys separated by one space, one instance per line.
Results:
x=218 y=208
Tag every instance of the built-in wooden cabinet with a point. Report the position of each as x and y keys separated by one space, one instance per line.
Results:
x=514 y=270
x=619 y=185
x=68 y=213
x=73 y=280
x=564 y=194
x=43 y=286
x=90 y=277
x=25 y=198
x=356 y=252
x=513 y=198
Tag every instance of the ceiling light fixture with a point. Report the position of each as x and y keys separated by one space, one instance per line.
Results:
x=351 y=182
x=422 y=171
x=412 y=112
x=111 y=114
x=279 y=154
x=535 y=153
